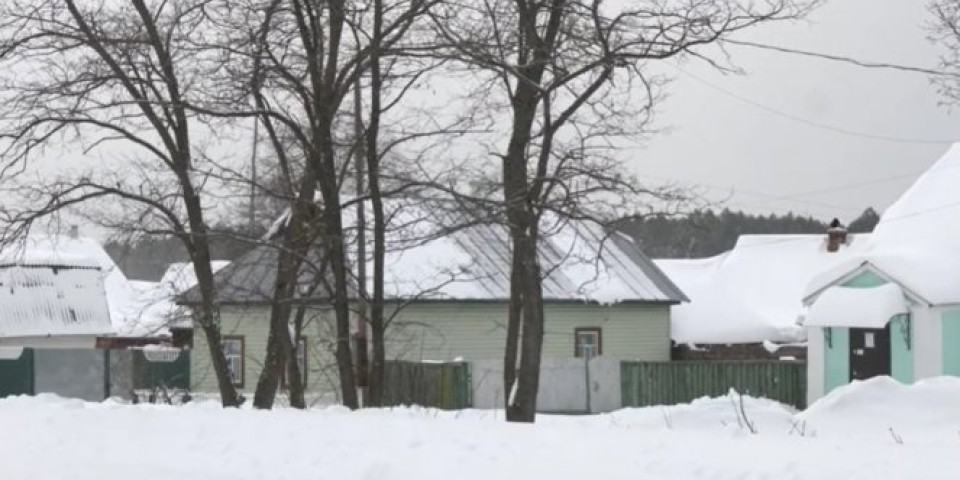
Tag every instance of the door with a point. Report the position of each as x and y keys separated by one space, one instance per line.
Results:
x=869 y=352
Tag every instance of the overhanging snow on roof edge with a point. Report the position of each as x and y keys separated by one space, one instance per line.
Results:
x=857 y=307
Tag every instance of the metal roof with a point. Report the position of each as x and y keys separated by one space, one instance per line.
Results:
x=580 y=263
x=42 y=300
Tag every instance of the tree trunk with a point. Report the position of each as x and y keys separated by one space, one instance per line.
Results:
x=335 y=250
x=515 y=309
x=297 y=240
x=377 y=321
x=523 y=408
x=200 y=256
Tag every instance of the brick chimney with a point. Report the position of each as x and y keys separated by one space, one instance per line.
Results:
x=836 y=235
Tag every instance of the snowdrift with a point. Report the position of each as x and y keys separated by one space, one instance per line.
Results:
x=50 y=437
x=880 y=406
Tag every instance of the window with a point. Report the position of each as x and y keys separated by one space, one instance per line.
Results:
x=586 y=342
x=301 y=362
x=233 y=350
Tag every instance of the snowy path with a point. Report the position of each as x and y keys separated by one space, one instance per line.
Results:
x=50 y=438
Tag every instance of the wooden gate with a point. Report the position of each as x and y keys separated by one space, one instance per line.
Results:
x=438 y=385
x=669 y=383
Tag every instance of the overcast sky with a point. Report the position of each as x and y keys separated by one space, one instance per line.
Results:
x=737 y=148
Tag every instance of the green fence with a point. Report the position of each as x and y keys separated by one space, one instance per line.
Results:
x=669 y=383
x=170 y=370
x=16 y=375
x=438 y=385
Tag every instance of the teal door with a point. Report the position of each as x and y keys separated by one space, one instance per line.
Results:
x=16 y=375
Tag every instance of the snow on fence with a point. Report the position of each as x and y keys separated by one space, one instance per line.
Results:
x=669 y=383
x=444 y=385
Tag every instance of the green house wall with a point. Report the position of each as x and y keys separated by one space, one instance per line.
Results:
x=445 y=331
x=865 y=279
x=951 y=341
x=836 y=360
x=901 y=349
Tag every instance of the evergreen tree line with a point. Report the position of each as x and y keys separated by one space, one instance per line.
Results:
x=706 y=233
x=699 y=234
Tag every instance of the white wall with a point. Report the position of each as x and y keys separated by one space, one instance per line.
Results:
x=927 y=344
x=815 y=364
x=563 y=385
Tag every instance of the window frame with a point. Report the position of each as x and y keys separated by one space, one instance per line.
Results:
x=577 y=352
x=242 y=357
x=302 y=347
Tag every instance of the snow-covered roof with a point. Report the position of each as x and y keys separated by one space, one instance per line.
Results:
x=857 y=307
x=472 y=263
x=753 y=292
x=132 y=308
x=122 y=299
x=42 y=295
x=582 y=264
x=917 y=241
x=158 y=309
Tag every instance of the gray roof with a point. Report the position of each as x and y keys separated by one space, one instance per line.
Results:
x=581 y=263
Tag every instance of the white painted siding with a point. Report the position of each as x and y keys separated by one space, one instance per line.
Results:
x=477 y=331
x=445 y=331
x=252 y=324
x=815 y=364
x=927 y=342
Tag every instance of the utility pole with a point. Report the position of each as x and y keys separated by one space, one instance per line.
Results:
x=252 y=213
x=359 y=163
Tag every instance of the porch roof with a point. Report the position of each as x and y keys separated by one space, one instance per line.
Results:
x=857 y=307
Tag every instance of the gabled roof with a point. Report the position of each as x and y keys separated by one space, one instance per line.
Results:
x=753 y=292
x=158 y=311
x=917 y=241
x=472 y=263
x=52 y=297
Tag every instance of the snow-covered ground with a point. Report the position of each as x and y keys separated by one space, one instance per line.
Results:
x=872 y=430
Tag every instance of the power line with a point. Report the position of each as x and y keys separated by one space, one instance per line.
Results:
x=843 y=59
x=754 y=193
x=813 y=123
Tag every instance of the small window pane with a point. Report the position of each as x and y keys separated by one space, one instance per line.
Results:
x=233 y=351
x=587 y=342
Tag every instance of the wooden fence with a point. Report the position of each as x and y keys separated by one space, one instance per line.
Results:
x=438 y=385
x=16 y=375
x=668 y=383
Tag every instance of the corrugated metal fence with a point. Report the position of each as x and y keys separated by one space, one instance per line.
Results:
x=438 y=385
x=668 y=383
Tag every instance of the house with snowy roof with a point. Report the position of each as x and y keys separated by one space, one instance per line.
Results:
x=67 y=316
x=51 y=301
x=448 y=296
x=893 y=308
x=744 y=302
x=53 y=308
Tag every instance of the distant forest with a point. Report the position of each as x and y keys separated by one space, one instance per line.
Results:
x=707 y=233
x=700 y=234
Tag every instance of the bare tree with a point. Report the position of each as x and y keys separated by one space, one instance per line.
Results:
x=572 y=76
x=92 y=75
x=945 y=31
x=297 y=61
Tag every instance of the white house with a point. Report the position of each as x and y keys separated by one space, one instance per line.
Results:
x=894 y=307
